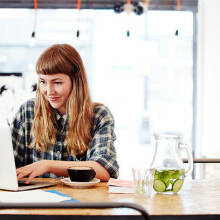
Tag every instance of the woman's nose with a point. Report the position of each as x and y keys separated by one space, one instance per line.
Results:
x=50 y=90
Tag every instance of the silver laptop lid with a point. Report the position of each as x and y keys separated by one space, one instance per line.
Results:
x=8 y=177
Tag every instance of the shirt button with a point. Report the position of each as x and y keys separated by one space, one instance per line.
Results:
x=58 y=153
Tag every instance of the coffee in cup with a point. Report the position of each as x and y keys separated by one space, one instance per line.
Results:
x=81 y=173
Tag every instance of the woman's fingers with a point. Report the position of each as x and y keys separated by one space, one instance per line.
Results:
x=32 y=170
x=23 y=174
x=25 y=171
x=19 y=170
x=30 y=178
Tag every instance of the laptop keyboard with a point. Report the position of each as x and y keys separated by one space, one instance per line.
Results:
x=22 y=183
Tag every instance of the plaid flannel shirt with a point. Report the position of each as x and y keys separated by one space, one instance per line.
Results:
x=101 y=148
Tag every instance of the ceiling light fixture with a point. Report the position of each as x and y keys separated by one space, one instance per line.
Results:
x=137 y=7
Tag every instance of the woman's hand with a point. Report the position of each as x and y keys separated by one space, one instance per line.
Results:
x=32 y=170
x=59 y=168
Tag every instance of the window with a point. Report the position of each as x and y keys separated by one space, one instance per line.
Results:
x=145 y=79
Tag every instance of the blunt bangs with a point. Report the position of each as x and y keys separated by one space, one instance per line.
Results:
x=53 y=61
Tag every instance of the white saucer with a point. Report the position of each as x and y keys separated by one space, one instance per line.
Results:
x=91 y=183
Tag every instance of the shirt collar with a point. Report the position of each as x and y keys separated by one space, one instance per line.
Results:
x=58 y=116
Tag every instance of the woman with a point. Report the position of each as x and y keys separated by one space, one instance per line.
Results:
x=62 y=127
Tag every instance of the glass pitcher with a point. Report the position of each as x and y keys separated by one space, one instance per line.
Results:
x=168 y=165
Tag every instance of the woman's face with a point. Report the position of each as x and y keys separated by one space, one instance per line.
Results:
x=56 y=88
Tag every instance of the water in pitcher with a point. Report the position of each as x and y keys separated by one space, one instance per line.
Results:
x=168 y=180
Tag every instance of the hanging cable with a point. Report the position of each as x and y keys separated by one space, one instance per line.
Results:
x=128 y=6
x=178 y=5
x=128 y=10
x=33 y=35
x=178 y=9
x=78 y=8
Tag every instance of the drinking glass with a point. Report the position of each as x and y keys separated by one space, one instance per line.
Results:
x=143 y=179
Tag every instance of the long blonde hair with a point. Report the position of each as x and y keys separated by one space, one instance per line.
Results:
x=63 y=58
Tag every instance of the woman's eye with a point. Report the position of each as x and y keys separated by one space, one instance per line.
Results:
x=58 y=82
x=42 y=82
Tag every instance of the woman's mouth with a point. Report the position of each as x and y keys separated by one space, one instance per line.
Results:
x=53 y=99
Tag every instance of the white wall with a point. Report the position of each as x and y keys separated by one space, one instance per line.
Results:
x=209 y=78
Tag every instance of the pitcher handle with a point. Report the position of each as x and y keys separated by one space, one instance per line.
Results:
x=190 y=159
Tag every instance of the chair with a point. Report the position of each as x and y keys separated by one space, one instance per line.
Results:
x=80 y=205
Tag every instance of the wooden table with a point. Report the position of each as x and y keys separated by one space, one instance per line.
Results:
x=198 y=199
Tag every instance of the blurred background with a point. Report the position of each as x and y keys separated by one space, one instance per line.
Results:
x=153 y=63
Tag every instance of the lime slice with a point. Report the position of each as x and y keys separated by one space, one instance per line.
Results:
x=159 y=186
x=177 y=185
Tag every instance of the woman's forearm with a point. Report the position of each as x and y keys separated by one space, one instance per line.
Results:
x=59 y=168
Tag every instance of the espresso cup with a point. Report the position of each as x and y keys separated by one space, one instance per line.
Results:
x=81 y=173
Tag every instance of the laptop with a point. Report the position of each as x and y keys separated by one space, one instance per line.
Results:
x=8 y=177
